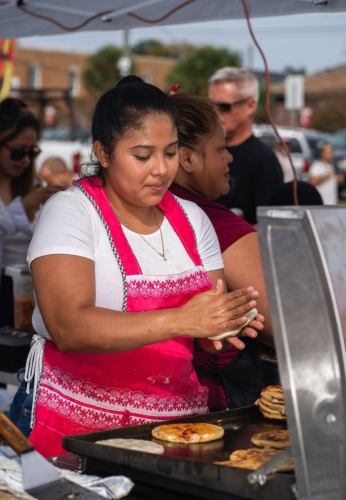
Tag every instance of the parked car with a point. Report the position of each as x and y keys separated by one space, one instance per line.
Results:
x=67 y=134
x=305 y=144
x=58 y=142
x=338 y=141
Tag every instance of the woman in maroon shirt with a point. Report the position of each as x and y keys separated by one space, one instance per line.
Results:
x=234 y=377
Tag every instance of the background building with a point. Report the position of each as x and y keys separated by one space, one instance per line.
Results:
x=37 y=73
x=325 y=96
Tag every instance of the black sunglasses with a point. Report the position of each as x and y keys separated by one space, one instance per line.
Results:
x=228 y=106
x=18 y=154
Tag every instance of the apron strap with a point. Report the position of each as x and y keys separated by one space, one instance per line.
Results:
x=181 y=224
x=93 y=189
x=33 y=370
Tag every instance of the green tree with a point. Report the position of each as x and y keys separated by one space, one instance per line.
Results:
x=152 y=47
x=149 y=47
x=101 y=72
x=331 y=117
x=194 y=68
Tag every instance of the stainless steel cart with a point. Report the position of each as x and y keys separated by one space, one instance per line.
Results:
x=304 y=257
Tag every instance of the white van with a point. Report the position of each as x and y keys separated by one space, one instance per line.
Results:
x=305 y=144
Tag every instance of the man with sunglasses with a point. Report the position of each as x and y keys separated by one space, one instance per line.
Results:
x=255 y=170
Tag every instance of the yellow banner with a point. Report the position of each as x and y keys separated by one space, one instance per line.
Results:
x=6 y=66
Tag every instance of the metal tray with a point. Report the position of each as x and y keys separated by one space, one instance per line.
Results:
x=182 y=466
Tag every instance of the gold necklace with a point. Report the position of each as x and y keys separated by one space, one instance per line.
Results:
x=147 y=242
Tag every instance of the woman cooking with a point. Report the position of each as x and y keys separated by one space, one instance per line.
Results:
x=119 y=266
x=234 y=378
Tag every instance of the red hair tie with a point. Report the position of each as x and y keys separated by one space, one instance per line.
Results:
x=174 y=89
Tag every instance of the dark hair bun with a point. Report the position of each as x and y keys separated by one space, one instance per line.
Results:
x=130 y=79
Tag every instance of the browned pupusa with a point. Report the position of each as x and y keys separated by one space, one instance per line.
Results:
x=254 y=458
x=278 y=439
x=188 y=433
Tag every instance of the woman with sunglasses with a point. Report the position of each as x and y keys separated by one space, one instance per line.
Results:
x=123 y=275
x=234 y=377
x=19 y=198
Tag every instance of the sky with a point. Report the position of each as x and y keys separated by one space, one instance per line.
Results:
x=313 y=41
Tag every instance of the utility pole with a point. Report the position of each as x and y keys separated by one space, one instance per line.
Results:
x=124 y=62
x=126 y=46
x=294 y=96
x=250 y=57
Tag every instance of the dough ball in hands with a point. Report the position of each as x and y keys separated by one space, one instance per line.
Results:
x=251 y=315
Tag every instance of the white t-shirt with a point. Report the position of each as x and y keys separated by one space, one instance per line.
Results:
x=285 y=165
x=329 y=188
x=15 y=233
x=69 y=224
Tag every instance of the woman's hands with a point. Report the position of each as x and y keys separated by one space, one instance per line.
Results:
x=39 y=196
x=249 y=331
x=67 y=303
x=215 y=312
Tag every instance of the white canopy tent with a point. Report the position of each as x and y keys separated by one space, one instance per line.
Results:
x=20 y=18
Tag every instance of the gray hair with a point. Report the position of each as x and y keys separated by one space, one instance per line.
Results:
x=246 y=82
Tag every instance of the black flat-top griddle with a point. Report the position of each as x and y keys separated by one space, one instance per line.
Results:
x=188 y=468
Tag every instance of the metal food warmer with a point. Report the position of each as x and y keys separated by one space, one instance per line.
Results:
x=304 y=259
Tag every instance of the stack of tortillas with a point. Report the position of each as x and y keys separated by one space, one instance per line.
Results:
x=271 y=403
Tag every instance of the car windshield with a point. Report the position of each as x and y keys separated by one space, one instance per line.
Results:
x=55 y=134
x=315 y=144
x=338 y=140
x=270 y=141
x=295 y=146
x=66 y=134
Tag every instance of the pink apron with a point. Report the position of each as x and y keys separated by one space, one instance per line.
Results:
x=81 y=393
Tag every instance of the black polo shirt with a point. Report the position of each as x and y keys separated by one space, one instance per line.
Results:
x=254 y=174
